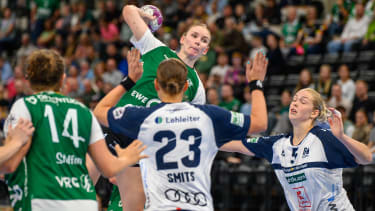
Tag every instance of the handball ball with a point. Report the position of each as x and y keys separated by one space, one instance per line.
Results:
x=155 y=24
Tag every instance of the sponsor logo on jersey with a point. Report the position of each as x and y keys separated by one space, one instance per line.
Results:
x=176 y=119
x=306 y=152
x=303 y=198
x=296 y=178
x=237 y=118
x=181 y=196
x=75 y=182
x=15 y=194
x=158 y=120
x=252 y=140
x=62 y=158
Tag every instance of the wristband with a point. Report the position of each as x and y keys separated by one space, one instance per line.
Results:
x=127 y=83
x=256 y=85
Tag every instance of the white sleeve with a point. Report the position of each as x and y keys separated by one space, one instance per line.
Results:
x=200 y=96
x=96 y=131
x=17 y=111
x=146 y=43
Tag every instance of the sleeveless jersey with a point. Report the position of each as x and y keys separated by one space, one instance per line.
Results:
x=182 y=140
x=153 y=52
x=311 y=172
x=56 y=176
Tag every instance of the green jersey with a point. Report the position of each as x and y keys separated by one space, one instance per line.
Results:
x=16 y=183
x=153 y=52
x=115 y=200
x=56 y=173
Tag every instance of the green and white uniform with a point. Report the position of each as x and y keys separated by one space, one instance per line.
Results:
x=16 y=183
x=56 y=177
x=153 y=52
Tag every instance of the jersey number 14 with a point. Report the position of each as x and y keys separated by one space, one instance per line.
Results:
x=70 y=119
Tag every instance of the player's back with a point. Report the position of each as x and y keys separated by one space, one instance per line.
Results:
x=55 y=164
x=181 y=147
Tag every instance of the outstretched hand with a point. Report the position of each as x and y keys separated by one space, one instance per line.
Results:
x=257 y=69
x=335 y=122
x=135 y=64
x=132 y=153
x=22 y=132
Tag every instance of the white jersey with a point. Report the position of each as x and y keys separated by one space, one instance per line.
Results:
x=311 y=172
x=182 y=140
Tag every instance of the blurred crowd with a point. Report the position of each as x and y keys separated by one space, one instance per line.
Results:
x=94 y=40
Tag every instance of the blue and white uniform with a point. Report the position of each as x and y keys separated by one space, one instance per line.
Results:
x=311 y=172
x=182 y=140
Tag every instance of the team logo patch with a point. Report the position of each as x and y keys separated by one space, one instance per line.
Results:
x=237 y=118
x=252 y=140
x=118 y=112
x=31 y=100
x=158 y=120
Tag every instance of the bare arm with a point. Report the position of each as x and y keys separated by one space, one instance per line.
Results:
x=17 y=145
x=236 y=146
x=134 y=17
x=126 y=157
x=111 y=99
x=257 y=71
x=360 y=151
x=91 y=168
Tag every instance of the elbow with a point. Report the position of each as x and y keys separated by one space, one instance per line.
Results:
x=7 y=169
x=258 y=126
x=127 y=11
x=368 y=158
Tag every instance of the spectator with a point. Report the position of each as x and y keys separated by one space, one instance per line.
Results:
x=222 y=66
x=353 y=32
x=232 y=76
x=246 y=107
x=7 y=29
x=123 y=63
x=337 y=99
x=361 y=100
x=305 y=80
x=5 y=70
x=81 y=52
x=272 y=12
x=108 y=31
x=112 y=76
x=371 y=143
x=339 y=15
x=276 y=65
x=347 y=84
x=47 y=36
x=361 y=129
x=26 y=48
x=228 y=101
x=310 y=37
x=233 y=39
x=348 y=125
x=257 y=45
x=368 y=42
x=324 y=83
x=283 y=124
x=212 y=96
x=291 y=27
